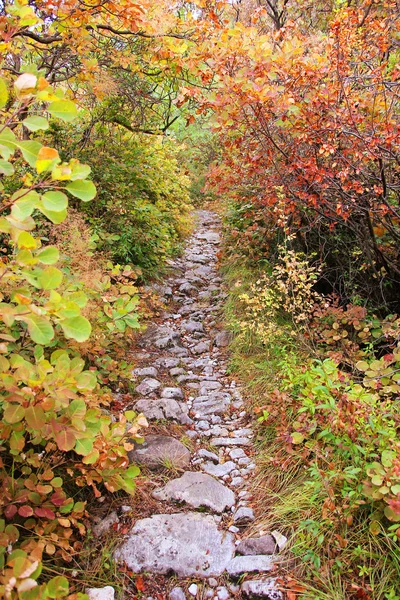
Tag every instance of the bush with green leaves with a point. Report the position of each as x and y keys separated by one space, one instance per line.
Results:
x=56 y=442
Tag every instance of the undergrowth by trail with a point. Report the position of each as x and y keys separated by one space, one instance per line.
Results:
x=312 y=470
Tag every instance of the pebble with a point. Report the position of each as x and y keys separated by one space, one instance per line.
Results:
x=193 y=589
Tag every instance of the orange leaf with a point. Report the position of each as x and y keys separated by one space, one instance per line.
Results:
x=47 y=153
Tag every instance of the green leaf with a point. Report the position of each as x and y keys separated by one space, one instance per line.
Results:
x=13 y=413
x=63 y=109
x=83 y=447
x=40 y=329
x=55 y=201
x=77 y=409
x=54 y=217
x=6 y=168
x=35 y=123
x=3 y=93
x=50 y=278
x=24 y=205
x=86 y=380
x=30 y=150
x=79 y=171
x=82 y=189
x=48 y=255
x=297 y=437
x=77 y=328
x=57 y=587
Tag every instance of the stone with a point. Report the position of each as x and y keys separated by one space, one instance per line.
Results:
x=188 y=544
x=212 y=237
x=250 y=564
x=216 y=403
x=218 y=470
x=222 y=593
x=163 y=408
x=223 y=339
x=209 y=385
x=104 y=593
x=207 y=454
x=197 y=489
x=237 y=453
x=168 y=363
x=200 y=348
x=212 y=582
x=160 y=450
x=280 y=539
x=192 y=589
x=237 y=481
x=148 y=386
x=243 y=515
x=176 y=371
x=265 y=544
x=145 y=372
x=172 y=392
x=105 y=524
x=160 y=336
x=177 y=594
x=262 y=588
x=226 y=441
x=192 y=326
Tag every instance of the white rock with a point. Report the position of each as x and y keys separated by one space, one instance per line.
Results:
x=105 y=593
x=193 y=589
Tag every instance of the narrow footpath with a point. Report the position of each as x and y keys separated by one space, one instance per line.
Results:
x=198 y=536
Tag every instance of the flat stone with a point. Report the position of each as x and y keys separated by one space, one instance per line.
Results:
x=160 y=336
x=210 y=385
x=104 y=593
x=216 y=403
x=159 y=450
x=218 y=470
x=201 y=348
x=227 y=441
x=163 y=408
x=172 y=392
x=188 y=544
x=197 y=489
x=105 y=524
x=223 y=339
x=265 y=544
x=243 y=515
x=192 y=326
x=177 y=594
x=211 y=237
x=222 y=593
x=237 y=453
x=203 y=453
x=147 y=386
x=168 y=363
x=262 y=588
x=145 y=372
x=250 y=564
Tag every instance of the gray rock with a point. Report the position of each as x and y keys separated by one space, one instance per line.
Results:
x=160 y=450
x=243 y=515
x=177 y=594
x=105 y=593
x=212 y=582
x=237 y=482
x=250 y=564
x=176 y=371
x=192 y=589
x=172 y=392
x=222 y=593
x=160 y=336
x=265 y=544
x=227 y=441
x=207 y=454
x=201 y=348
x=105 y=524
x=168 y=363
x=218 y=470
x=237 y=453
x=262 y=588
x=147 y=386
x=145 y=372
x=216 y=403
x=192 y=326
x=188 y=544
x=212 y=237
x=197 y=489
x=163 y=408
x=210 y=385
x=223 y=339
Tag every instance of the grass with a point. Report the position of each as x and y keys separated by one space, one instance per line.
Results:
x=331 y=560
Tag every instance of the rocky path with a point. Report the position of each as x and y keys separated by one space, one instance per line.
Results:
x=198 y=535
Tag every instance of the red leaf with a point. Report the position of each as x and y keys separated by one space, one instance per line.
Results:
x=10 y=511
x=25 y=511
x=45 y=513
